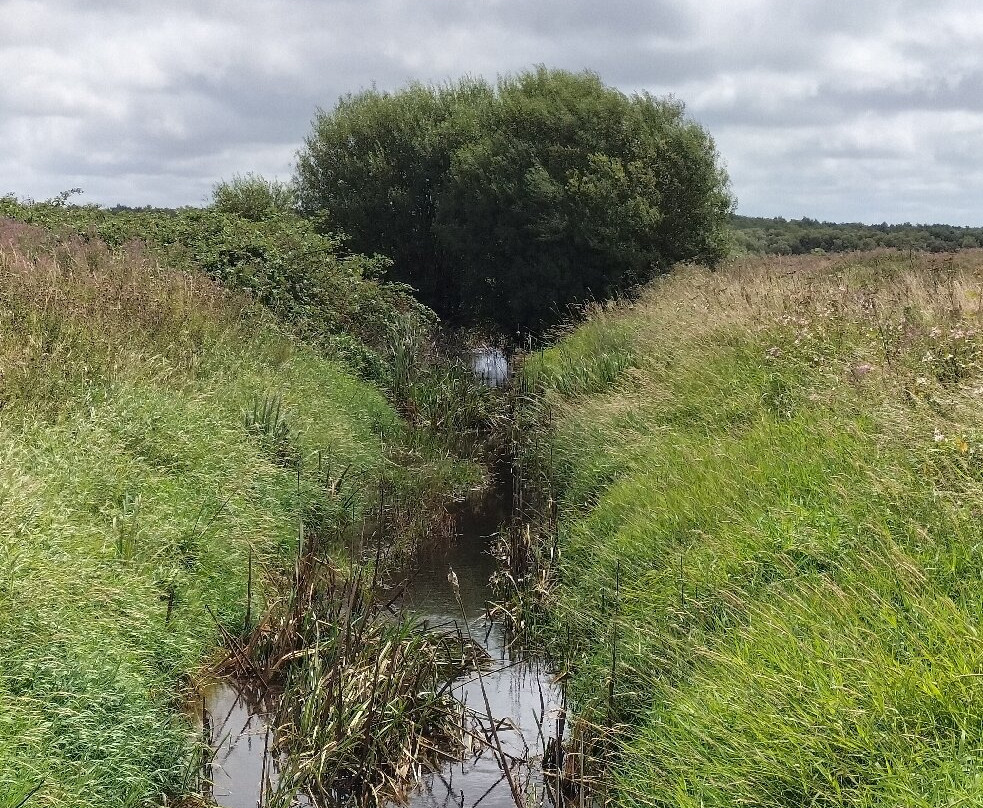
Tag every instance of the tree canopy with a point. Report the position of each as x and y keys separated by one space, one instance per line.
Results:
x=509 y=201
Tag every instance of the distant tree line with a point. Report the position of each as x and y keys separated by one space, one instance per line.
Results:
x=797 y=236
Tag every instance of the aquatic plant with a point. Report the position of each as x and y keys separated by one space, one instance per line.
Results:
x=362 y=690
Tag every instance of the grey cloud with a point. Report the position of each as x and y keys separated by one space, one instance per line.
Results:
x=664 y=18
x=840 y=110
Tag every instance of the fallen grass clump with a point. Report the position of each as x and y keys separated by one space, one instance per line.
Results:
x=769 y=535
x=145 y=471
x=362 y=691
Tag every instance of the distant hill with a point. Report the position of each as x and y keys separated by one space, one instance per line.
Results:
x=798 y=236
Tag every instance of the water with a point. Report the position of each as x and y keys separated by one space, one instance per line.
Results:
x=490 y=365
x=523 y=700
x=237 y=730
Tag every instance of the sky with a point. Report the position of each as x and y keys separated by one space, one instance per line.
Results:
x=843 y=110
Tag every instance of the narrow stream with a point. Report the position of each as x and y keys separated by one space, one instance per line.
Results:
x=523 y=699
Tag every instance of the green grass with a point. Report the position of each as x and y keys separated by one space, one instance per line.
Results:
x=132 y=494
x=588 y=358
x=773 y=516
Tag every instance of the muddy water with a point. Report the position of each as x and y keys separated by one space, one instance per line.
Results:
x=236 y=728
x=523 y=700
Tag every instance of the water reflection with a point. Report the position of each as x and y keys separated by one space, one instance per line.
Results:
x=236 y=727
x=522 y=698
x=490 y=366
x=524 y=701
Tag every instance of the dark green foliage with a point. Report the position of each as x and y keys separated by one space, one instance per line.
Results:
x=510 y=202
x=375 y=167
x=799 y=236
x=307 y=279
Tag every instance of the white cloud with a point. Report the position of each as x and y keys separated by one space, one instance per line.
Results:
x=839 y=110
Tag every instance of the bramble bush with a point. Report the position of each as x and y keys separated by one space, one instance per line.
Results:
x=335 y=299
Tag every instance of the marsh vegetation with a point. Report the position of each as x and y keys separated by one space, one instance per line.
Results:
x=744 y=521
x=769 y=485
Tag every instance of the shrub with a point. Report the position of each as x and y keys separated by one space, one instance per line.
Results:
x=509 y=202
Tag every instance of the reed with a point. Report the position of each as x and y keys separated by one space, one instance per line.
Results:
x=362 y=690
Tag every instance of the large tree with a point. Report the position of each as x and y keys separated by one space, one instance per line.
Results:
x=511 y=201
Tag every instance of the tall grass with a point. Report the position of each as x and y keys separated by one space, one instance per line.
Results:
x=152 y=427
x=769 y=529
x=587 y=359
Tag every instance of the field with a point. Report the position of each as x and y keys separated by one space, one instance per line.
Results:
x=160 y=436
x=770 y=480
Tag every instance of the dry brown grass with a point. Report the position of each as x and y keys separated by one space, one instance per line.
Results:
x=71 y=308
x=861 y=288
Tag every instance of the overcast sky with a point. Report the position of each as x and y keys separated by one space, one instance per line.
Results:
x=847 y=110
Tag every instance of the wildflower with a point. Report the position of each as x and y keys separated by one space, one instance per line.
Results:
x=921 y=381
x=962 y=445
x=938 y=437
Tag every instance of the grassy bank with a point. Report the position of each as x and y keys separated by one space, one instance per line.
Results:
x=770 y=480
x=335 y=300
x=156 y=432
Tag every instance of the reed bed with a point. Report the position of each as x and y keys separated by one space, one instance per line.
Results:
x=769 y=574
x=361 y=690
